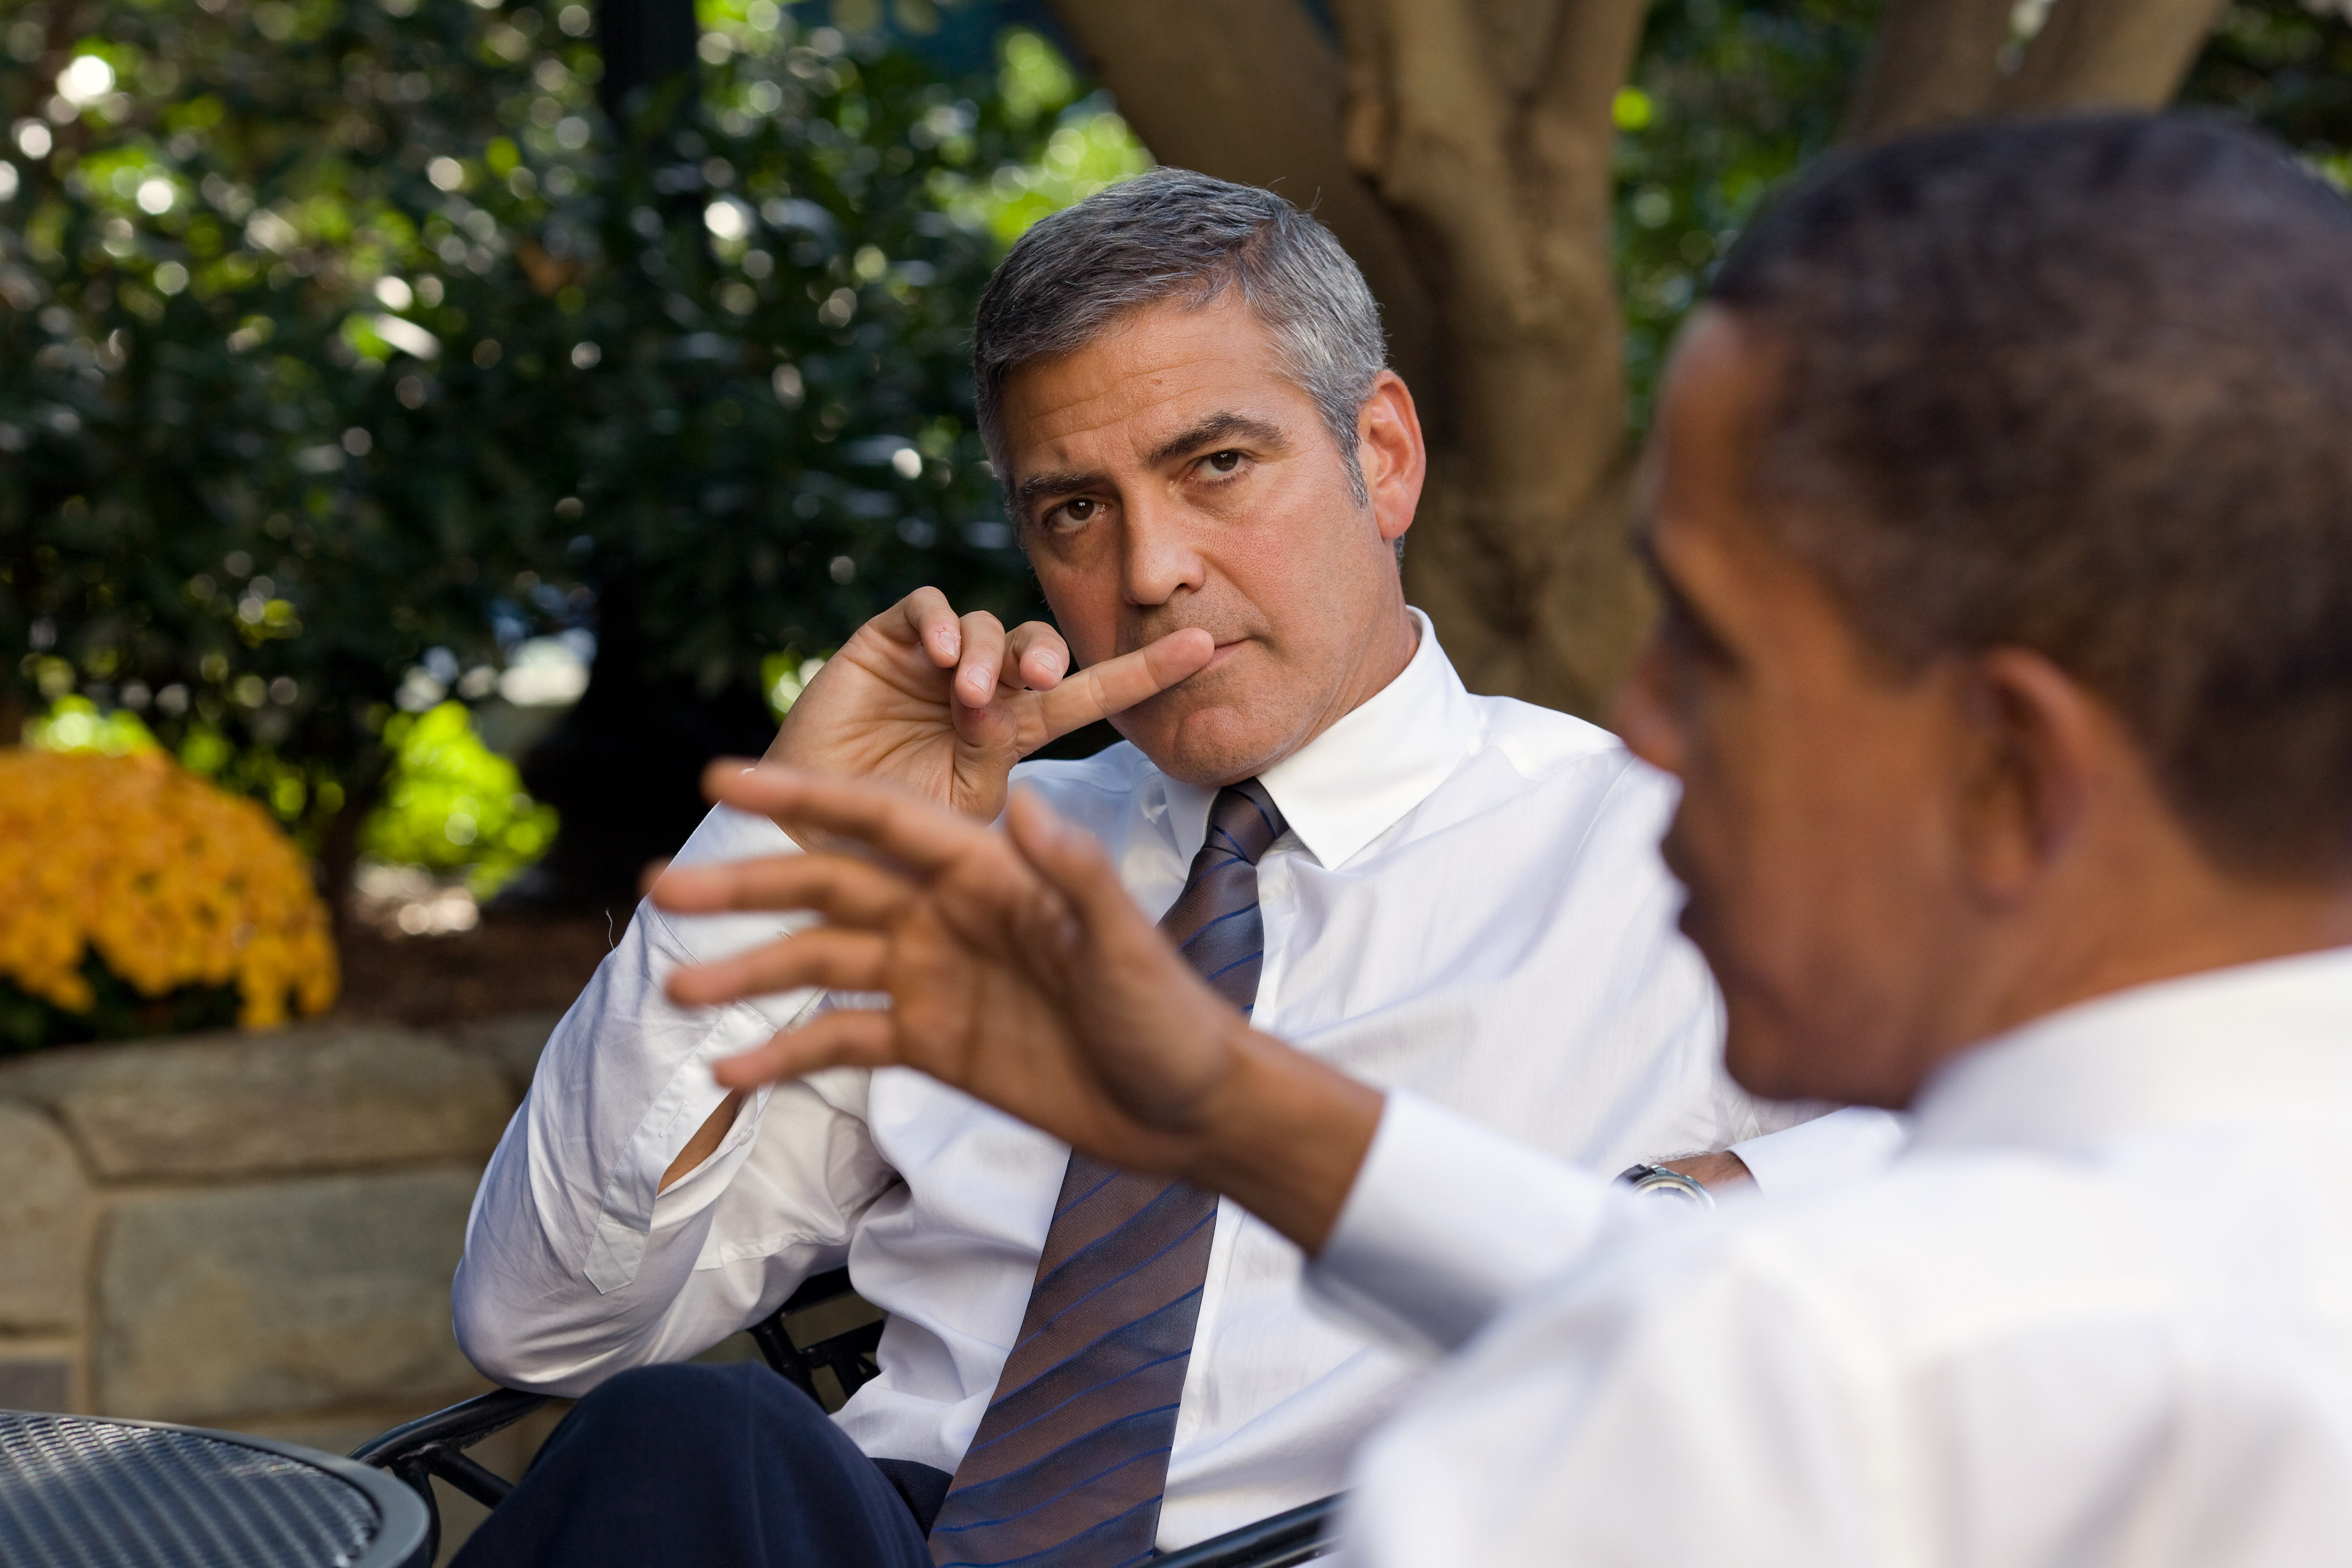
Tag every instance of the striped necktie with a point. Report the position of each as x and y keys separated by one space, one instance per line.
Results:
x=1067 y=1467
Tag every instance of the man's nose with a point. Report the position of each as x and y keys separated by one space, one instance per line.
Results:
x=1160 y=555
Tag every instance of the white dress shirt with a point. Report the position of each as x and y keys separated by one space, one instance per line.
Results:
x=2099 y=1312
x=1468 y=904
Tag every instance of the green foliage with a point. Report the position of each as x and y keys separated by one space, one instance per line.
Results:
x=75 y=724
x=342 y=331
x=1726 y=100
x=450 y=803
x=1729 y=99
x=2287 y=66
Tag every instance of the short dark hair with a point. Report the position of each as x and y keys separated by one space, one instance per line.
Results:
x=2083 y=385
x=1175 y=234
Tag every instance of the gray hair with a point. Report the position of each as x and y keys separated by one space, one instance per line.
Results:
x=1174 y=234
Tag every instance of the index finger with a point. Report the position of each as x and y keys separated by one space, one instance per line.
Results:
x=1101 y=690
x=919 y=837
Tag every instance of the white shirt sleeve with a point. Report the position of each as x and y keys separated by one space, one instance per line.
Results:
x=576 y=1265
x=1448 y=1221
x=1845 y=1145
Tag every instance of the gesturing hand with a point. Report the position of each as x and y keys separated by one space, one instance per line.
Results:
x=943 y=705
x=1019 y=971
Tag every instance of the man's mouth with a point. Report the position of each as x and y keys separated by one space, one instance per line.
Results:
x=1225 y=650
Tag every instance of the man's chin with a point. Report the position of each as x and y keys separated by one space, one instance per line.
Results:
x=1207 y=737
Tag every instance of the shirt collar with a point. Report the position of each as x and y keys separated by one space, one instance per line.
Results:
x=1354 y=781
x=2261 y=1038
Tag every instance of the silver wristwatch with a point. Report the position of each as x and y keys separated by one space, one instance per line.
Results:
x=1658 y=1181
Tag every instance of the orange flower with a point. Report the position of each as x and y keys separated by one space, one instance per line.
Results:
x=172 y=882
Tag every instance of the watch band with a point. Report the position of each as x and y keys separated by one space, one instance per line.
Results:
x=1658 y=1181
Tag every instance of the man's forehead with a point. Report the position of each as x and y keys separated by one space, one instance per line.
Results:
x=1153 y=374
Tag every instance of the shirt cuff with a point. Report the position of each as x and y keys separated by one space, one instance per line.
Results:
x=1447 y=1221
x=1846 y=1145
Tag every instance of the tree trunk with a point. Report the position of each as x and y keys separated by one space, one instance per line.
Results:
x=1934 y=61
x=1939 y=61
x=643 y=44
x=1486 y=130
x=2109 y=54
x=339 y=841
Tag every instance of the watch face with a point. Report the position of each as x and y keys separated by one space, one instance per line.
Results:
x=1656 y=1181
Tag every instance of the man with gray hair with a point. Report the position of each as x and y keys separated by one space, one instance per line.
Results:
x=1211 y=469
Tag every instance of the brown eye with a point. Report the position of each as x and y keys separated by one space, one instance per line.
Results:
x=1224 y=462
x=1079 y=510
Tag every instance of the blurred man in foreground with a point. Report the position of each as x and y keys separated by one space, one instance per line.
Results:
x=2003 y=515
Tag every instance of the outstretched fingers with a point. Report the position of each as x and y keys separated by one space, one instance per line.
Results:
x=826 y=958
x=1101 y=690
x=919 y=836
x=850 y=1037
x=845 y=892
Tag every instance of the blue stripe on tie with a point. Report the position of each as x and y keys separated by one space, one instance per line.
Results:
x=1106 y=1524
x=1086 y=1195
x=1234 y=965
x=1073 y=1399
x=1186 y=944
x=1270 y=826
x=1049 y=1501
x=1098 y=1290
x=1118 y=1232
x=1143 y=1333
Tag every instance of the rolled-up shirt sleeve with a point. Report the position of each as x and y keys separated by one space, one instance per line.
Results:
x=577 y=1265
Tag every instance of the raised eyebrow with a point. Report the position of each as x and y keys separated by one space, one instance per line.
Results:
x=1217 y=430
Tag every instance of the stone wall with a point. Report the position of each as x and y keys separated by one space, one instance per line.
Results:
x=251 y=1232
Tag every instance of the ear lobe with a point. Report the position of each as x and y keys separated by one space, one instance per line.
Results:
x=2036 y=741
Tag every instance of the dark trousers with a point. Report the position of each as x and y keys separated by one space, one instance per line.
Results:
x=707 y=1466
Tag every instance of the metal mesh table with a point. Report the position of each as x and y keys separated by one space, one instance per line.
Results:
x=82 y=1492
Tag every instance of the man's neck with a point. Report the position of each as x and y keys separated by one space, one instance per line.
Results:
x=1375 y=670
x=2220 y=925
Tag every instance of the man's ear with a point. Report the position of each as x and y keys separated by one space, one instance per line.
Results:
x=2033 y=745
x=1394 y=457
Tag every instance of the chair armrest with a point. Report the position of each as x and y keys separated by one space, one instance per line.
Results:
x=435 y=1445
x=1275 y=1542
x=461 y=1425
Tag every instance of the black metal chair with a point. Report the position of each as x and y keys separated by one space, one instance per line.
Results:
x=824 y=1341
